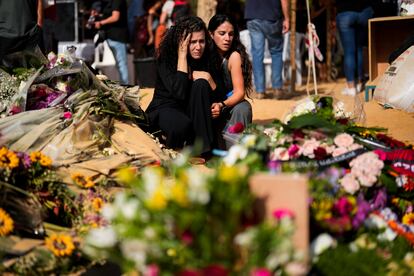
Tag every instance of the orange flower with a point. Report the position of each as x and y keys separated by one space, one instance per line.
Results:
x=83 y=181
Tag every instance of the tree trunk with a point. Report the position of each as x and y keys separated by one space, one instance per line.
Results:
x=206 y=9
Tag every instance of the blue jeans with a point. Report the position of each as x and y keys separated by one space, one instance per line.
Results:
x=352 y=28
x=259 y=31
x=120 y=53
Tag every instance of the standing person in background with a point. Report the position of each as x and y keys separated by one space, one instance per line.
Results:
x=352 y=23
x=115 y=25
x=171 y=11
x=20 y=25
x=50 y=42
x=135 y=10
x=267 y=20
x=236 y=68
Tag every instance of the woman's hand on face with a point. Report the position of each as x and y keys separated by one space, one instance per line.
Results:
x=215 y=110
x=183 y=47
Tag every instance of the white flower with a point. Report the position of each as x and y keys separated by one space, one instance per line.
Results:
x=102 y=237
x=249 y=140
x=387 y=235
x=135 y=250
x=130 y=208
x=197 y=186
x=375 y=222
x=108 y=212
x=245 y=239
x=236 y=152
x=149 y=233
x=321 y=243
x=62 y=86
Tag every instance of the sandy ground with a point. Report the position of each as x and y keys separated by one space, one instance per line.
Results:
x=400 y=124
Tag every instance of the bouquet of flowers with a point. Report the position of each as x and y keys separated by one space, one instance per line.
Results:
x=178 y=219
x=355 y=173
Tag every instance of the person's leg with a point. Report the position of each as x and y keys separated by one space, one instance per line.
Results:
x=346 y=27
x=120 y=52
x=199 y=111
x=176 y=126
x=274 y=36
x=240 y=113
x=257 y=49
x=361 y=39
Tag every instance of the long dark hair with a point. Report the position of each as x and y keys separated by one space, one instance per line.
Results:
x=237 y=46
x=168 y=50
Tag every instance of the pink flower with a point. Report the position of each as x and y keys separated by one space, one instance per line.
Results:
x=339 y=151
x=349 y=183
x=215 y=270
x=152 y=270
x=294 y=150
x=343 y=140
x=67 y=115
x=260 y=272
x=282 y=213
x=15 y=109
x=236 y=128
x=381 y=154
x=309 y=146
x=187 y=238
x=279 y=154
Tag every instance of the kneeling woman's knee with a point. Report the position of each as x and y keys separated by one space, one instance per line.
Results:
x=200 y=86
x=243 y=111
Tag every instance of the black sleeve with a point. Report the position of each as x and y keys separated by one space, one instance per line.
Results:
x=175 y=82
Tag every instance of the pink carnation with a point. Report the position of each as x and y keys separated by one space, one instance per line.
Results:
x=261 y=272
x=339 y=151
x=282 y=213
x=67 y=115
x=294 y=150
x=309 y=146
x=236 y=128
x=343 y=140
x=279 y=154
x=152 y=270
x=349 y=183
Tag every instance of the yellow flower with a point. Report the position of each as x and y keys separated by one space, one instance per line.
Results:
x=82 y=181
x=158 y=201
x=35 y=156
x=8 y=159
x=408 y=219
x=97 y=204
x=178 y=193
x=45 y=161
x=126 y=175
x=60 y=244
x=322 y=209
x=228 y=174
x=6 y=223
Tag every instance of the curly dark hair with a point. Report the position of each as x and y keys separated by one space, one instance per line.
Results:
x=237 y=46
x=168 y=50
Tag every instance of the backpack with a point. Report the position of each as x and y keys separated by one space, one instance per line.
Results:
x=141 y=31
x=181 y=8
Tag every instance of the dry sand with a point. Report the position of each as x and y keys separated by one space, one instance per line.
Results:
x=400 y=124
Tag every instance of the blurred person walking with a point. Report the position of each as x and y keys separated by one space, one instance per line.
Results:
x=267 y=20
x=115 y=25
x=352 y=23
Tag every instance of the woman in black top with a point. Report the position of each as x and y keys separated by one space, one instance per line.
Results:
x=186 y=86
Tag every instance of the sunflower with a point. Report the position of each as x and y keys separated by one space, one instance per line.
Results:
x=6 y=223
x=97 y=204
x=60 y=244
x=8 y=159
x=82 y=181
x=44 y=160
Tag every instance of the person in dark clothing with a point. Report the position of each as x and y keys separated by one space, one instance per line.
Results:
x=115 y=25
x=20 y=25
x=186 y=86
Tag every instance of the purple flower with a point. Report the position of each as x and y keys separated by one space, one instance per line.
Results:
x=380 y=200
x=363 y=210
x=25 y=159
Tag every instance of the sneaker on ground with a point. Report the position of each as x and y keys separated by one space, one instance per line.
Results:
x=349 y=91
x=259 y=96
